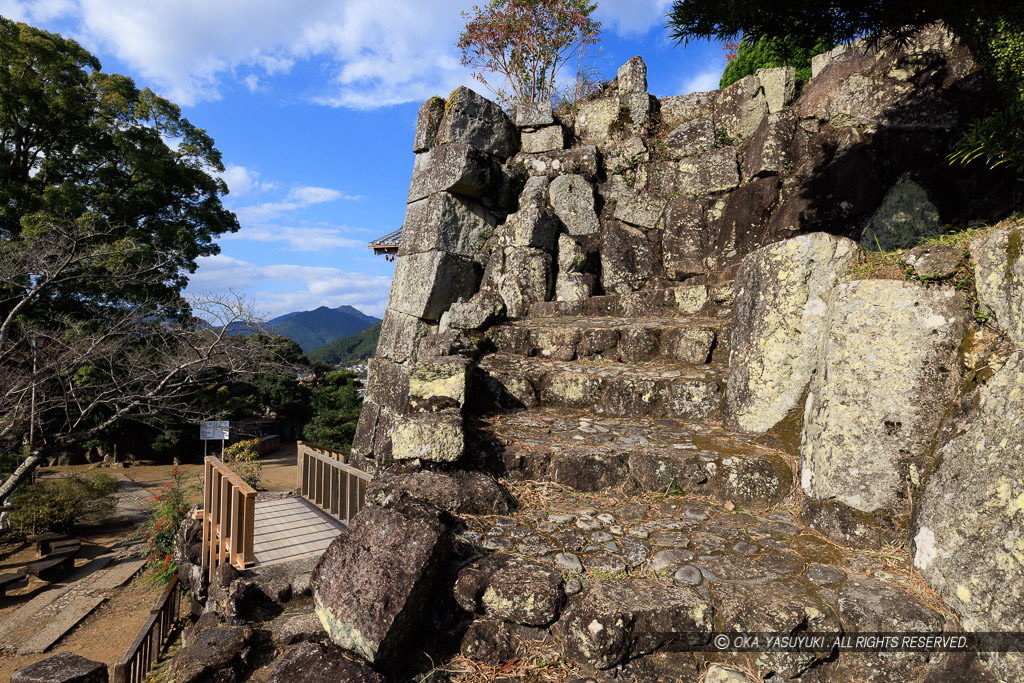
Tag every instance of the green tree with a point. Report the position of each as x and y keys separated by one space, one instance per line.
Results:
x=993 y=31
x=526 y=42
x=767 y=52
x=336 y=405
x=79 y=145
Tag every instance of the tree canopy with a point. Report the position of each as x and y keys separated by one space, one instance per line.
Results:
x=767 y=52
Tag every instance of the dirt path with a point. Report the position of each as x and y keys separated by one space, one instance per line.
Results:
x=108 y=630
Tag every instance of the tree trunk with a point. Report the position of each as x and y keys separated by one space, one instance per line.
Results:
x=24 y=469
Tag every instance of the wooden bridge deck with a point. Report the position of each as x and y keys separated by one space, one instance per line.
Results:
x=290 y=529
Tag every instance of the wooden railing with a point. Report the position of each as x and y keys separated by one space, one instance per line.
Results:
x=229 y=506
x=327 y=482
x=136 y=663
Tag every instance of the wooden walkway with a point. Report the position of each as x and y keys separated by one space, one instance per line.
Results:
x=290 y=529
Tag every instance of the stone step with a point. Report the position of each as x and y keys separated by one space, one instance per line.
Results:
x=656 y=455
x=639 y=566
x=714 y=301
x=692 y=340
x=602 y=387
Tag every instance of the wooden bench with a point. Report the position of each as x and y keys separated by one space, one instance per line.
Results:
x=12 y=580
x=52 y=542
x=57 y=563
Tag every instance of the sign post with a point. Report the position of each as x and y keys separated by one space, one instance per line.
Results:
x=212 y=430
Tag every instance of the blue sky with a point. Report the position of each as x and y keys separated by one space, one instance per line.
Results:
x=313 y=104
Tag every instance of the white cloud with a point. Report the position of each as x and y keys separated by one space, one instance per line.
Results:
x=307 y=287
x=702 y=81
x=297 y=238
x=298 y=198
x=377 y=53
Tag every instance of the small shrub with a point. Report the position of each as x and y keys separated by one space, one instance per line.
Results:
x=56 y=504
x=244 y=461
x=167 y=511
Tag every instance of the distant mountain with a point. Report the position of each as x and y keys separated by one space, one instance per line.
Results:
x=349 y=350
x=314 y=329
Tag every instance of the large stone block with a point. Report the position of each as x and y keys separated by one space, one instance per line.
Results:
x=528 y=277
x=512 y=589
x=445 y=222
x=779 y=85
x=446 y=376
x=534 y=114
x=638 y=208
x=885 y=373
x=371 y=444
x=434 y=437
x=572 y=198
x=741 y=107
x=472 y=315
x=620 y=619
x=999 y=277
x=398 y=335
x=456 y=168
x=431 y=113
x=475 y=120
x=632 y=76
x=578 y=160
x=680 y=108
x=373 y=587
x=388 y=384
x=704 y=174
x=63 y=667
x=969 y=541
x=684 y=241
x=691 y=137
x=769 y=149
x=546 y=139
x=626 y=259
x=782 y=294
x=531 y=227
x=426 y=284
x=314 y=663
x=596 y=118
x=905 y=216
x=535 y=193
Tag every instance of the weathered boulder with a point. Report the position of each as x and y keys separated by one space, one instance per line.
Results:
x=698 y=175
x=572 y=198
x=530 y=227
x=461 y=491
x=475 y=120
x=512 y=589
x=871 y=606
x=684 y=240
x=219 y=653
x=535 y=193
x=444 y=222
x=969 y=540
x=371 y=444
x=315 y=663
x=472 y=315
x=754 y=481
x=388 y=384
x=886 y=370
x=435 y=437
x=626 y=259
x=497 y=642
x=934 y=262
x=770 y=148
x=668 y=469
x=399 y=333
x=718 y=673
x=63 y=667
x=779 y=85
x=430 y=115
x=632 y=76
x=296 y=629
x=783 y=606
x=373 y=586
x=691 y=137
x=456 y=168
x=527 y=277
x=740 y=108
x=596 y=118
x=677 y=109
x=546 y=139
x=999 y=277
x=782 y=294
x=688 y=344
x=578 y=160
x=588 y=471
x=447 y=376
x=639 y=209
x=905 y=216
x=619 y=619
x=426 y=284
x=534 y=114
